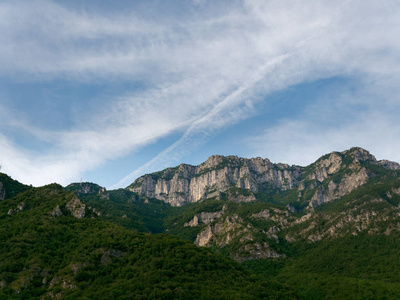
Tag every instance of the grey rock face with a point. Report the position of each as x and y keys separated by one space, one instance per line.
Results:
x=194 y=183
x=204 y=218
x=87 y=188
x=76 y=207
x=184 y=184
x=222 y=232
x=355 y=176
x=391 y=165
x=56 y=212
x=234 y=229
x=22 y=206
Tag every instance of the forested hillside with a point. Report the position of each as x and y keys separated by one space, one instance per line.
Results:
x=332 y=232
x=54 y=246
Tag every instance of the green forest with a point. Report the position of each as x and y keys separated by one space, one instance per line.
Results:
x=83 y=242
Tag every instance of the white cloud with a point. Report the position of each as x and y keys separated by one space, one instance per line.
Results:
x=355 y=118
x=200 y=74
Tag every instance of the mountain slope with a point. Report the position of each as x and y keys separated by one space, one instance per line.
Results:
x=327 y=230
x=10 y=187
x=123 y=207
x=330 y=177
x=53 y=245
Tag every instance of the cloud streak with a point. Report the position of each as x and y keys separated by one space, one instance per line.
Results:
x=196 y=75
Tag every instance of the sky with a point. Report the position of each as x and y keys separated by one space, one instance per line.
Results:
x=106 y=91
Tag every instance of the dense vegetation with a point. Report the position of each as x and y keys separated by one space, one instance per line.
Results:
x=130 y=247
x=43 y=254
x=125 y=208
x=11 y=187
x=357 y=267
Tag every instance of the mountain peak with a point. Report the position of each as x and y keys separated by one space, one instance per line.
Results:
x=360 y=155
x=343 y=171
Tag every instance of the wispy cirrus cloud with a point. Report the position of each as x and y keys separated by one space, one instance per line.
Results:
x=363 y=114
x=196 y=75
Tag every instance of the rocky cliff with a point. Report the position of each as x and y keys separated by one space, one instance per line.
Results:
x=330 y=177
x=339 y=173
x=88 y=188
x=187 y=183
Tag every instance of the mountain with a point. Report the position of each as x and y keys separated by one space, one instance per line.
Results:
x=231 y=227
x=331 y=177
x=250 y=208
x=344 y=209
x=55 y=246
x=185 y=183
x=10 y=187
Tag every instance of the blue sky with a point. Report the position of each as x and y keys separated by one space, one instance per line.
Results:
x=108 y=91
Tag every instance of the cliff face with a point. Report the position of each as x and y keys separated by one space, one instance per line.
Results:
x=330 y=177
x=88 y=188
x=339 y=173
x=186 y=183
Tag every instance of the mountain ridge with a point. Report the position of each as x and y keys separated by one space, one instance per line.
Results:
x=186 y=183
x=316 y=234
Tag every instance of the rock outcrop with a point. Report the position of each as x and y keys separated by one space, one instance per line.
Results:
x=56 y=212
x=187 y=183
x=330 y=177
x=76 y=207
x=337 y=174
x=204 y=218
x=391 y=165
x=223 y=232
x=233 y=229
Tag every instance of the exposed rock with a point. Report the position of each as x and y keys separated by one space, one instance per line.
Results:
x=94 y=210
x=265 y=214
x=222 y=232
x=314 y=237
x=255 y=251
x=22 y=206
x=204 y=218
x=391 y=165
x=364 y=216
x=104 y=194
x=360 y=155
x=65 y=284
x=187 y=183
x=273 y=230
x=243 y=198
x=87 y=188
x=355 y=176
x=291 y=208
x=76 y=267
x=396 y=191
x=56 y=212
x=216 y=195
x=303 y=218
x=12 y=212
x=331 y=177
x=76 y=207
x=326 y=167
